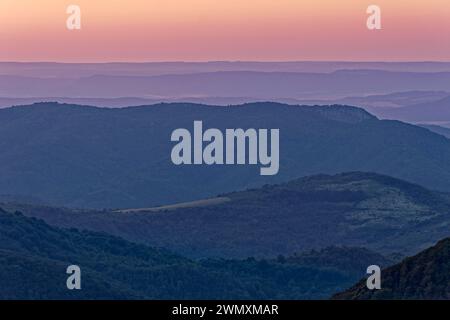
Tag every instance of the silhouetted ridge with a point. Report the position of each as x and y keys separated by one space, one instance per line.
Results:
x=424 y=276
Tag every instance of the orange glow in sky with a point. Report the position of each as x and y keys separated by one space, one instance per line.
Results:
x=200 y=30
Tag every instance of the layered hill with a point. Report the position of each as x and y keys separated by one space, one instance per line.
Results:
x=68 y=155
x=351 y=209
x=259 y=84
x=34 y=257
x=438 y=129
x=431 y=111
x=424 y=276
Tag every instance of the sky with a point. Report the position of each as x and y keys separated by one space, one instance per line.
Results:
x=213 y=30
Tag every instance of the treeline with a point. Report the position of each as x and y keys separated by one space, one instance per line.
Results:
x=34 y=257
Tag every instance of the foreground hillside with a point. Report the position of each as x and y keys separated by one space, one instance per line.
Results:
x=438 y=129
x=352 y=209
x=424 y=276
x=34 y=257
x=69 y=155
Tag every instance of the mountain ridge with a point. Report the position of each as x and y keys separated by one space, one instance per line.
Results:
x=90 y=157
x=355 y=209
x=234 y=83
x=34 y=257
x=423 y=276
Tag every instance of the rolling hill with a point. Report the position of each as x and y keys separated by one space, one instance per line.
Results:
x=424 y=276
x=34 y=257
x=354 y=209
x=370 y=103
x=87 y=157
x=78 y=70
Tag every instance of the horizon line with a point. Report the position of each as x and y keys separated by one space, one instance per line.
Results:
x=227 y=61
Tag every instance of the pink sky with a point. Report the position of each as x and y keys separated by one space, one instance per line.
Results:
x=200 y=30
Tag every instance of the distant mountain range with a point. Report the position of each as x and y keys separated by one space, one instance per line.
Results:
x=377 y=212
x=95 y=186
x=226 y=84
x=78 y=70
x=372 y=103
x=394 y=100
x=436 y=111
x=34 y=258
x=424 y=276
x=415 y=92
x=68 y=155
x=378 y=87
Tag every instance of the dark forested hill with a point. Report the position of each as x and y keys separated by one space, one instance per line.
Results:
x=424 y=276
x=117 y=158
x=352 y=209
x=34 y=257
